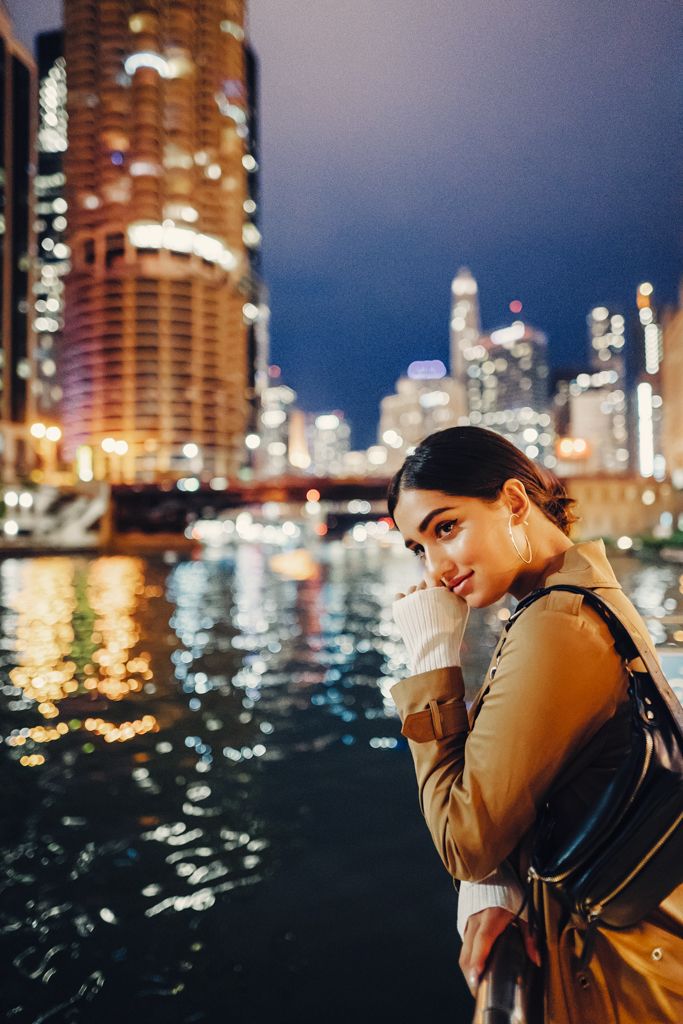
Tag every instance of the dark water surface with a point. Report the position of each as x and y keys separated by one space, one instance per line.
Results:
x=208 y=813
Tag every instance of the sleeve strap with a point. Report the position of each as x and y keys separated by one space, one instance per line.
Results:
x=436 y=721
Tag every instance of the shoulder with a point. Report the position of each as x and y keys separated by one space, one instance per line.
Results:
x=559 y=646
x=571 y=609
x=562 y=625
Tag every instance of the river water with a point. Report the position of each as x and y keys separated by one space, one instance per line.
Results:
x=208 y=813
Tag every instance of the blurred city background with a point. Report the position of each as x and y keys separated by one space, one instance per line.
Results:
x=209 y=808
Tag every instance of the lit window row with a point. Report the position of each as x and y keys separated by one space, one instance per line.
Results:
x=150 y=235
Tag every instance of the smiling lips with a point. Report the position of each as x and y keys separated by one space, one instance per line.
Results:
x=458 y=581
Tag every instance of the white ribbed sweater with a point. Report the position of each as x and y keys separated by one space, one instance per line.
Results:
x=432 y=623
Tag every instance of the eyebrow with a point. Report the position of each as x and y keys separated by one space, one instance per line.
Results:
x=426 y=521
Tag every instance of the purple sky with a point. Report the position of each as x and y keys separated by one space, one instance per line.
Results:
x=537 y=143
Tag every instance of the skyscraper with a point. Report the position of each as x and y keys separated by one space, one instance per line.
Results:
x=671 y=377
x=17 y=122
x=465 y=321
x=258 y=337
x=425 y=400
x=52 y=263
x=597 y=418
x=160 y=298
x=508 y=388
x=649 y=414
x=328 y=442
x=504 y=374
x=607 y=339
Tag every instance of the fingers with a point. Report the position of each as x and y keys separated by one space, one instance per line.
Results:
x=411 y=590
x=530 y=944
x=481 y=947
x=466 y=954
x=481 y=932
x=418 y=586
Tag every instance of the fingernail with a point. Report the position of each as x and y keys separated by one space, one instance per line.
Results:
x=472 y=979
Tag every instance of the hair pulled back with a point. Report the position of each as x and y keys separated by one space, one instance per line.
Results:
x=472 y=462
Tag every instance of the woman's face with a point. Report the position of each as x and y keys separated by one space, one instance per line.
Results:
x=463 y=542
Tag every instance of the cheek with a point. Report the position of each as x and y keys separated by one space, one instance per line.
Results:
x=465 y=549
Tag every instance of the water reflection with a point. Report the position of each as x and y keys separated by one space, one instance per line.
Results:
x=152 y=721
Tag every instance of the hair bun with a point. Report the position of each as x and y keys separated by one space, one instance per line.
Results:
x=558 y=506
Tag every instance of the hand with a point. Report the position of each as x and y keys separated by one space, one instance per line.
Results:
x=432 y=621
x=411 y=590
x=481 y=932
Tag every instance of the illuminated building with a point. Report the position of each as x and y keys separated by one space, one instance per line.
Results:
x=329 y=443
x=606 y=333
x=161 y=297
x=508 y=388
x=504 y=373
x=425 y=400
x=290 y=441
x=258 y=338
x=560 y=383
x=574 y=456
x=297 y=443
x=270 y=443
x=592 y=409
x=598 y=414
x=607 y=340
x=52 y=263
x=597 y=421
x=465 y=325
x=671 y=378
x=649 y=413
x=17 y=113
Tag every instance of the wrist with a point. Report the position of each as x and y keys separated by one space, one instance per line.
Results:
x=432 y=623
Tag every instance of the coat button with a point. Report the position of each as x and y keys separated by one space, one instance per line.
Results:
x=584 y=980
x=657 y=953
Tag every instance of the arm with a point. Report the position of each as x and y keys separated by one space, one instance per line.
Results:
x=432 y=625
x=557 y=682
x=501 y=889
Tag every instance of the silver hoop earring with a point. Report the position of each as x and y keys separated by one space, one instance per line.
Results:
x=527 y=561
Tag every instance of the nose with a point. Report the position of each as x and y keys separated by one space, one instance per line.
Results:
x=437 y=567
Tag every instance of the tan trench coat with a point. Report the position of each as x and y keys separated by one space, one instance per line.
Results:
x=482 y=781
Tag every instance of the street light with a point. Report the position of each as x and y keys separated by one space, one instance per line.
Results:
x=47 y=437
x=111 y=446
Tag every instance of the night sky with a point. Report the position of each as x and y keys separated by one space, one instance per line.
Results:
x=536 y=142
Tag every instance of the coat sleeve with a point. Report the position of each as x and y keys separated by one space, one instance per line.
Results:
x=557 y=681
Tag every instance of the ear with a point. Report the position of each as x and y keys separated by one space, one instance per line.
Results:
x=514 y=497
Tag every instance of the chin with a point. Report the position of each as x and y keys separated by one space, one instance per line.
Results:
x=483 y=600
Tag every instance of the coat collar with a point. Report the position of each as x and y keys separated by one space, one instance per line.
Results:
x=584 y=565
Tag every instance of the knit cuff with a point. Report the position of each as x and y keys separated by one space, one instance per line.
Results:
x=432 y=623
x=501 y=888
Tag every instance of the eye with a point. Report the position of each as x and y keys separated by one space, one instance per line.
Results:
x=445 y=528
x=418 y=551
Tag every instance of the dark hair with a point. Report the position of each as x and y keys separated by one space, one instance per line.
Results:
x=475 y=463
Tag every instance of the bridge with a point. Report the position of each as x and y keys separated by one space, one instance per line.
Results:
x=164 y=508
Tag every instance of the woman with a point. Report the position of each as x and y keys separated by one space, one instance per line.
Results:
x=487 y=522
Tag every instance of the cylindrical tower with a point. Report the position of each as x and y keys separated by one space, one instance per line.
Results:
x=155 y=355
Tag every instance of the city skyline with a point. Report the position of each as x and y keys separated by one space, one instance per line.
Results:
x=550 y=184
